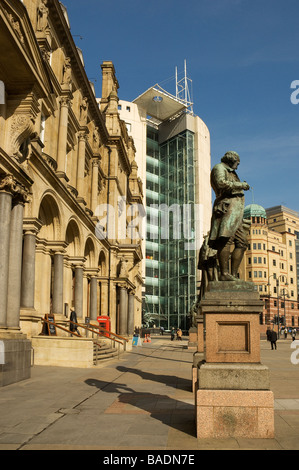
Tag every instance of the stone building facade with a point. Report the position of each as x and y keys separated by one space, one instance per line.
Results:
x=270 y=263
x=68 y=181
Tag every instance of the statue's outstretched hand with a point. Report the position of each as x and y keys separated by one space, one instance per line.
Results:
x=246 y=186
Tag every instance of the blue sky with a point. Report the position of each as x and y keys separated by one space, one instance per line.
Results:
x=242 y=56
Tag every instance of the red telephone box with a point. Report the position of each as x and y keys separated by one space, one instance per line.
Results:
x=104 y=322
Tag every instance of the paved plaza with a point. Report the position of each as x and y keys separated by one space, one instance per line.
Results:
x=143 y=401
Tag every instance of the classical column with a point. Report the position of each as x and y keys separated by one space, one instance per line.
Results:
x=123 y=311
x=62 y=136
x=15 y=264
x=95 y=184
x=131 y=325
x=28 y=270
x=79 y=290
x=81 y=163
x=93 y=308
x=57 y=303
x=5 y=213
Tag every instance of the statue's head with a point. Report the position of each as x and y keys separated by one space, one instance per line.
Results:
x=232 y=159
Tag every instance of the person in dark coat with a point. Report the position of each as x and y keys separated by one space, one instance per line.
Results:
x=273 y=339
x=268 y=333
x=73 y=318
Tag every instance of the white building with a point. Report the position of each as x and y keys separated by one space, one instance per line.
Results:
x=173 y=158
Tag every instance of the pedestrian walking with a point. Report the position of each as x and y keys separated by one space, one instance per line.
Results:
x=73 y=318
x=172 y=334
x=268 y=333
x=285 y=333
x=179 y=334
x=273 y=339
x=293 y=334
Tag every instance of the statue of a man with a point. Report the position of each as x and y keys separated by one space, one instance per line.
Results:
x=228 y=228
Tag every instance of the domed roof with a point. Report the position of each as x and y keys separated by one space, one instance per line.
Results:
x=254 y=210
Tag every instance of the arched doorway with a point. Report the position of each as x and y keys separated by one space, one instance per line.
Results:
x=91 y=292
x=49 y=287
x=74 y=272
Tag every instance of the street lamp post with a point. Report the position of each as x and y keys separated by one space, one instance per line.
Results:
x=284 y=304
x=278 y=322
x=277 y=288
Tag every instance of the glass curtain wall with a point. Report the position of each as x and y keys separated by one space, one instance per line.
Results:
x=177 y=184
x=170 y=198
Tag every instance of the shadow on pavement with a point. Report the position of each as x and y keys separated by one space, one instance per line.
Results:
x=170 y=380
x=169 y=411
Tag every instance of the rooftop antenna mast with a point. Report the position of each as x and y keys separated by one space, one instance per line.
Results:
x=184 y=88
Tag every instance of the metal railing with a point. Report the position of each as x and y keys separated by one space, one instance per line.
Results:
x=103 y=333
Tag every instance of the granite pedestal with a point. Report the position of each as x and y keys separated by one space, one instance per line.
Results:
x=233 y=397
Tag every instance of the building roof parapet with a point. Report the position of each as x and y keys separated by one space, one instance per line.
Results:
x=276 y=209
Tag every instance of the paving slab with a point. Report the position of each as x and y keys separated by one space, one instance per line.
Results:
x=141 y=401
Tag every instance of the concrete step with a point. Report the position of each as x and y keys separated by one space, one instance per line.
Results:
x=104 y=353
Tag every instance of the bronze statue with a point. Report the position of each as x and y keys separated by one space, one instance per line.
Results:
x=228 y=227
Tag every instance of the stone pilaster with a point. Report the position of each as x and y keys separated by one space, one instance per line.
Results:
x=131 y=301
x=28 y=268
x=12 y=199
x=81 y=163
x=95 y=184
x=123 y=311
x=57 y=303
x=15 y=265
x=79 y=290
x=93 y=298
x=5 y=212
x=62 y=137
x=104 y=297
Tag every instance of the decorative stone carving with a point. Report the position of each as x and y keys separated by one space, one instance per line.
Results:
x=83 y=136
x=17 y=28
x=65 y=101
x=46 y=54
x=42 y=16
x=22 y=127
x=67 y=72
x=123 y=270
x=8 y=183
x=84 y=111
x=96 y=141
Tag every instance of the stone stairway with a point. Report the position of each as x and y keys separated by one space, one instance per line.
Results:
x=104 y=353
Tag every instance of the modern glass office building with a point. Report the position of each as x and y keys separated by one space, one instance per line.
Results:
x=176 y=177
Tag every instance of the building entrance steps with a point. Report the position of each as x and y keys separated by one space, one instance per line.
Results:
x=141 y=401
x=103 y=351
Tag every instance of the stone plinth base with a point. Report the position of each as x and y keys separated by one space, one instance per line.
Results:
x=15 y=360
x=192 y=343
x=233 y=377
x=235 y=413
x=200 y=337
x=62 y=351
x=198 y=359
x=232 y=392
x=231 y=311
